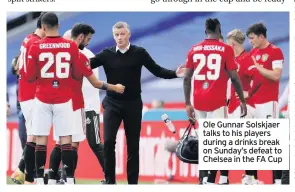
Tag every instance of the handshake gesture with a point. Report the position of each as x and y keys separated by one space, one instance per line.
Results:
x=118 y=88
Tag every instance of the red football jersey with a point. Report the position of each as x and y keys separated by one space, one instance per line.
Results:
x=85 y=70
x=270 y=58
x=246 y=71
x=210 y=60
x=51 y=61
x=26 y=90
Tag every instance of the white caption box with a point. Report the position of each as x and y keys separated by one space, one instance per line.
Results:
x=244 y=144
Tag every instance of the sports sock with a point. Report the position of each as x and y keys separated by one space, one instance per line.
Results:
x=29 y=157
x=55 y=159
x=21 y=164
x=211 y=176
x=75 y=158
x=40 y=154
x=68 y=163
x=255 y=174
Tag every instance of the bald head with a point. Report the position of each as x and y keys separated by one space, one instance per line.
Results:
x=68 y=34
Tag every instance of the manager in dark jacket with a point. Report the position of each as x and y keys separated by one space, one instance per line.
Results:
x=122 y=64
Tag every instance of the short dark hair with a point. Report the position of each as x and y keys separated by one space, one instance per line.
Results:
x=257 y=29
x=39 y=26
x=221 y=37
x=49 y=19
x=81 y=28
x=213 y=25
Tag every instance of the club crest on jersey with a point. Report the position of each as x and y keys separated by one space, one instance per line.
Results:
x=264 y=57
x=55 y=84
x=205 y=85
x=257 y=57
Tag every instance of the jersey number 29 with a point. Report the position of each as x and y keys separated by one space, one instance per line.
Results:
x=212 y=61
x=62 y=68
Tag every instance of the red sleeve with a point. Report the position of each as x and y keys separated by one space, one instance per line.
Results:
x=189 y=60
x=230 y=63
x=85 y=66
x=32 y=63
x=251 y=52
x=277 y=58
x=75 y=60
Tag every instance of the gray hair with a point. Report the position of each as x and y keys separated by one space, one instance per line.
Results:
x=121 y=24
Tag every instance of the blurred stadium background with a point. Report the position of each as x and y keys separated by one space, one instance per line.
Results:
x=167 y=36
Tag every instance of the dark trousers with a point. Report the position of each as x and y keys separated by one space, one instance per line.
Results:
x=93 y=136
x=131 y=113
x=22 y=132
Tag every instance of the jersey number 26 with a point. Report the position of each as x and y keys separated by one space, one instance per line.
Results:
x=62 y=68
x=212 y=62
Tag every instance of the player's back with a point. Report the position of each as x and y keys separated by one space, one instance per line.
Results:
x=210 y=60
x=246 y=71
x=55 y=58
x=77 y=94
x=26 y=90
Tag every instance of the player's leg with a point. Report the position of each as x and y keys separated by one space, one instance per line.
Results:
x=22 y=132
x=41 y=124
x=270 y=110
x=18 y=176
x=80 y=136
x=220 y=113
x=250 y=175
x=223 y=179
x=63 y=127
x=211 y=177
x=236 y=114
x=132 y=126
x=54 y=162
x=29 y=152
x=75 y=146
x=93 y=136
x=203 y=174
x=112 y=119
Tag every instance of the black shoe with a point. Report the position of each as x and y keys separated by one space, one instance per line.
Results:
x=103 y=182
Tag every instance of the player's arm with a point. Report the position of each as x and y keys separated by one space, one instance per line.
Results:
x=233 y=74
x=274 y=74
x=105 y=86
x=32 y=64
x=187 y=83
x=256 y=78
x=154 y=68
x=255 y=87
x=277 y=65
x=15 y=64
x=231 y=68
x=97 y=60
x=83 y=67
